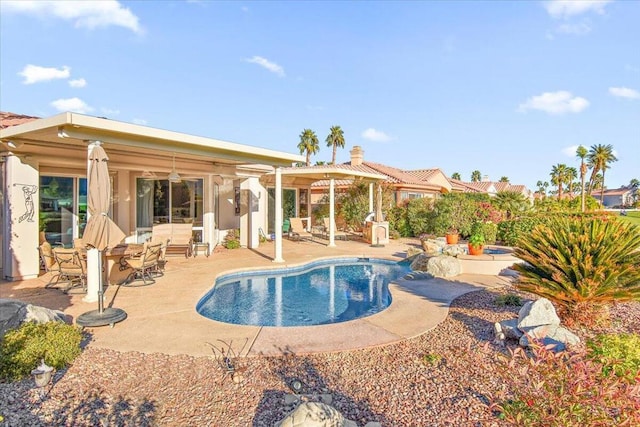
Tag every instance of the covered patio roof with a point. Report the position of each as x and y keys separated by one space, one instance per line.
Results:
x=56 y=139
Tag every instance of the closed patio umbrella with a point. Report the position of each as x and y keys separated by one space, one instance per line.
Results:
x=100 y=233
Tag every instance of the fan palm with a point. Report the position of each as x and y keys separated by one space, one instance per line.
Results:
x=581 y=153
x=308 y=144
x=559 y=177
x=476 y=176
x=335 y=139
x=599 y=158
x=456 y=175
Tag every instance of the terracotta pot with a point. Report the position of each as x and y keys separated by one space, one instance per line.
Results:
x=452 y=239
x=475 y=250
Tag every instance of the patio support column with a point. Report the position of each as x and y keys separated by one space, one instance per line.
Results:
x=93 y=255
x=278 y=218
x=332 y=212
x=371 y=197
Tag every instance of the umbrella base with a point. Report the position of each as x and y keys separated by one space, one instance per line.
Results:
x=109 y=316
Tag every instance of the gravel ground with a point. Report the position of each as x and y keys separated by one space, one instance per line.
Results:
x=437 y=379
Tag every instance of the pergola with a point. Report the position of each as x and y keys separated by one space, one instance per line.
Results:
x=307 y=175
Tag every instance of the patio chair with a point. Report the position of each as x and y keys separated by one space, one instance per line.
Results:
x=145 y=265
x=72 y=267
x=49 y=263
x=298 y=231
x=337 y=234
x=162 y=259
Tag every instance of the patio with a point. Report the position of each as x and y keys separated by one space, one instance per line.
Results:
x=162 y=317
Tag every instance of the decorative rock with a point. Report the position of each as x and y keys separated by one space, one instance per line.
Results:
x=443 y=266
x=509 y=329
x=315 y=414
x=454 y=250
x=536 y=313
x=558 y=336
x=431 y=247
x=13 y=313
x=497 y=330
x=420 y=262
x=411 y=251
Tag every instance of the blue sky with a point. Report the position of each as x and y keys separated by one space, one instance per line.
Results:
x=507 y=88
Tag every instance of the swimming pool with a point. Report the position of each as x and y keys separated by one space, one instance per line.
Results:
x=321 y=292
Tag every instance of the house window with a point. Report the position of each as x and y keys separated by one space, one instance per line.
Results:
x=161 y=201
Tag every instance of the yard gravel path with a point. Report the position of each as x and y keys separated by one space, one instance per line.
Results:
x=436 y=379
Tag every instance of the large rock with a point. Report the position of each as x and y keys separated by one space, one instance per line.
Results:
x=556 y=335
x=508 y=329
x=537 y=313
x=454 y=250
x=420 y=262
x=13 y=313
x=315 y=414
x=432 y=247
x=443 y=266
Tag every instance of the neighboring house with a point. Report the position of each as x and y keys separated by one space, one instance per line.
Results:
x=492 y=188
x=405 y=184
x=158 y=176
x=618 y=197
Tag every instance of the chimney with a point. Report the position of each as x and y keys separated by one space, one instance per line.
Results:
x=485 y=178
x=357 y=156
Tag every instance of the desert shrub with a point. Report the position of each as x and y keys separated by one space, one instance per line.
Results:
x=398 y=221
x=618 y=354
x=232 y=239
x=508 y=299
x=419 y=214
x=563 y=389
x=23 y=348
x=452 y=211
x=489 y=230
x=510 y=231
x=580 y=264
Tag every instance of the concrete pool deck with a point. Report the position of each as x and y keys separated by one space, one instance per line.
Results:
x=161 y=318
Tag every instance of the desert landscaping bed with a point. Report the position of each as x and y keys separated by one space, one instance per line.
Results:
x=437 y=379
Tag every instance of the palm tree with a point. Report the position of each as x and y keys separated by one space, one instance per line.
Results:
x=634 y=183
x=456 y=175
x=504 y=179
x=581 y=153
x=309 y=144
x=510 y=202
x=572 y=174
x=558 y=177
x=476 y=176
x=335 y=140
x=599 y=158
x=542 y=187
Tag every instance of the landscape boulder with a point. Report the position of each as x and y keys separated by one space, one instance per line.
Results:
x=14 y=313
x=443 y=266
x=315 y=414
x=536 y=320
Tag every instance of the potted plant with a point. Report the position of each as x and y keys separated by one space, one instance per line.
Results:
x=452 y=236
x=476 y=240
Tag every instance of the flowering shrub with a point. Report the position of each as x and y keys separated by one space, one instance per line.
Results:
x=619 y=354
x=563 y=389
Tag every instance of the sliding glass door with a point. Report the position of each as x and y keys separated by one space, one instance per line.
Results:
x=63 y=208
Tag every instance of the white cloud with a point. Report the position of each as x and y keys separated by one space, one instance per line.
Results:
x=567 y=8
x=624 y=92
x=75 y=105
x=375 y=135
x=265 y=63
x=555 y=103
x=89 y=14
x=577 y=29
x=35 y=74
x=77 y=83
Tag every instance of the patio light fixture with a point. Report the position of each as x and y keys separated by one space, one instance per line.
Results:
x=174 y=176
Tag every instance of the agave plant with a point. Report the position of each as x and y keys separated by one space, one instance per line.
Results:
x=577 y=263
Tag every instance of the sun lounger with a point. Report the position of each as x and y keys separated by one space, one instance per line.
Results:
x=297 y=230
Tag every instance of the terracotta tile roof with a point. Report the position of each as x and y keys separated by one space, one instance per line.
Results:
x=502 y=186
x=424 y=174
x=458 y=185
x=482 y=186
x=396 y=176
x=12 y=119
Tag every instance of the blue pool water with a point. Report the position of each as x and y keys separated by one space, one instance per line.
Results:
x=322 y=292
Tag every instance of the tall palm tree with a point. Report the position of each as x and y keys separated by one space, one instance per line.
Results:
x=476 y=176
x=309 y=144
x=504 y=179
x=571 y=175
x=542 y=188
x=558 y=177
x=581 y=153
x=456 y=175
x=335 y=139
x=599 y=158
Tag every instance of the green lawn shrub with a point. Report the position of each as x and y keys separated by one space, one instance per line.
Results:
x=23 y=348
x=508 y=299
x=619 y=354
